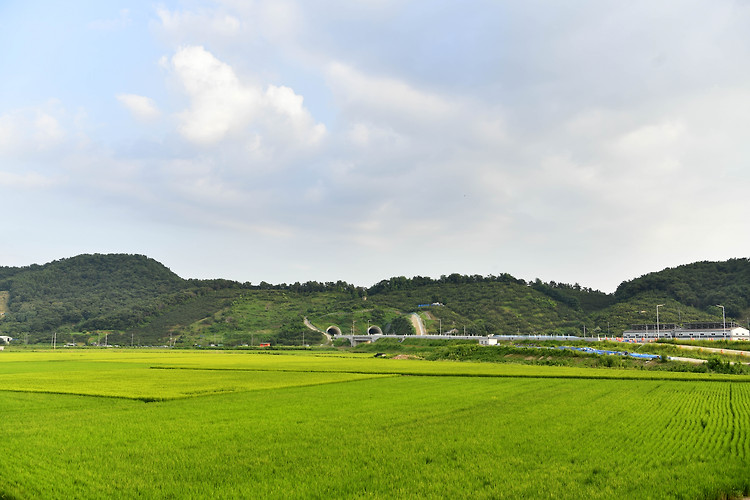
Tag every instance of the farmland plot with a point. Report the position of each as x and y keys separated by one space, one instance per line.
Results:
x=287 y=434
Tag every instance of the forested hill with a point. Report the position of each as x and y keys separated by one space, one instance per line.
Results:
x=139 y=298
x=701 y=285
x=87 y=291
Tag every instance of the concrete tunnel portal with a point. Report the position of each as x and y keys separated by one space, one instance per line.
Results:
x=333 y=330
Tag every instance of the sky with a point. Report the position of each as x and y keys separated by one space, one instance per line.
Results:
x=581 y=142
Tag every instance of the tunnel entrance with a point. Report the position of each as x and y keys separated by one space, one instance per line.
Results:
x=333 y=330
x=374 y=330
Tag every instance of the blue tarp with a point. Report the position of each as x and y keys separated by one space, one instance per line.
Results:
x=646 y=356
x=601 y=351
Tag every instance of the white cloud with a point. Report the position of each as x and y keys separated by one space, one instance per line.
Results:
x=48 y=130
x=218 y=102
x=288 y=107
x=7 y=132
x=28 y=131
x=278 y=20
x=543 y=137
x=222 y=106
x=386 y=98
x=399 y=112
x=366 y=135
x=30 y=180
x=281 y=19
x=201 y=24
x=143 y=108
x=647 y=139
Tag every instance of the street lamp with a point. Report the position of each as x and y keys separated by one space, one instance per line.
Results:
x=724 y=320
x=657 y=320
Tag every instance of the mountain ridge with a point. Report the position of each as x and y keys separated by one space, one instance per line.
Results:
x=130 y=294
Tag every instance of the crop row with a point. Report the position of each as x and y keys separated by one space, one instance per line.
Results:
x=369 y=436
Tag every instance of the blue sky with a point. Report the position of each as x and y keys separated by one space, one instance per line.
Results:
x=284 y=141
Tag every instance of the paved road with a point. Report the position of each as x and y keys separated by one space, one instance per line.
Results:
x=315 y=329
x=416 y=320
x=688 y=360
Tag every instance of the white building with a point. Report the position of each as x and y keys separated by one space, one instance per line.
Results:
x=688 y=331
x=487 y=341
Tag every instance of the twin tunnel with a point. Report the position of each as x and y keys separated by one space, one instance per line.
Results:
x=335 y=330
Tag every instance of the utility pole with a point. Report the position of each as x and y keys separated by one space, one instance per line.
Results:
x=724 y=319
x=657 y=320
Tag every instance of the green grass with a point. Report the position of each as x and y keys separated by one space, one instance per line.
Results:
x=484 y=308
x=296 y=425
x=737 y=345
x=151 y=384
x=376 y=315
x=198 y=310
x=3 y=303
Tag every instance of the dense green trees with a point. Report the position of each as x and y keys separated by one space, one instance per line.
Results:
x=143 y=301
x=400 y=326
x=700 y=285
x=89 y=292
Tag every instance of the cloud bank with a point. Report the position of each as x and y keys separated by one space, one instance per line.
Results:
x=285 y=141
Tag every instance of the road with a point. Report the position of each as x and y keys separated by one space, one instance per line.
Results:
x=688 y=360
x=714 y=349
x=416 y=320
x=312 y=327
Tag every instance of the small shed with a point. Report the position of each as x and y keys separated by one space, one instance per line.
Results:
x=488 y=341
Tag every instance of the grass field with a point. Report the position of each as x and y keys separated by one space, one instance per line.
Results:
x=186 y=424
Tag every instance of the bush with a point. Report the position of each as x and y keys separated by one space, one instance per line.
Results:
x=342 y=343
x=716 y=364
x=609 y=361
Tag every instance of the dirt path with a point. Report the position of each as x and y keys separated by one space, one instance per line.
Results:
x=714 y=349
x=688 y=360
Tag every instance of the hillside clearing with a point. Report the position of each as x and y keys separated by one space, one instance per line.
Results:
x=4 y=296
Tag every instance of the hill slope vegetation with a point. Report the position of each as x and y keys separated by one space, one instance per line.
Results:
x=133 y=298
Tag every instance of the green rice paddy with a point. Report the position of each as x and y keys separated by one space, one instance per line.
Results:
x=184 y=424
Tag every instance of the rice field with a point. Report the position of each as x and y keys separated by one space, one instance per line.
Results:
x=182 y=424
